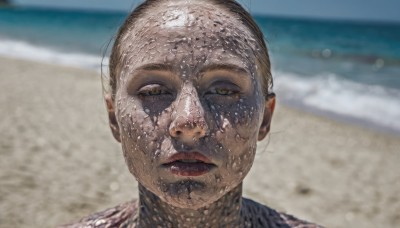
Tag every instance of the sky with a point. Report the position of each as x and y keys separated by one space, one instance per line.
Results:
x=371 y=10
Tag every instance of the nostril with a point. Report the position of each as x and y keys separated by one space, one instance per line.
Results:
x=188 y=129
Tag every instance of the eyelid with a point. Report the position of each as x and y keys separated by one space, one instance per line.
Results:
x=147 y=88
x=235 y=89
x=141 y=78
x=224 y=83
x=241 y=82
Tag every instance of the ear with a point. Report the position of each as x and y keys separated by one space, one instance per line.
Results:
x=266 y=123
x=112 y=118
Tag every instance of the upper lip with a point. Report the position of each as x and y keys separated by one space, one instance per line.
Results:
x=192 y=155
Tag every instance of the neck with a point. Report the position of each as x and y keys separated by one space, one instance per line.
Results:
x=225 y=212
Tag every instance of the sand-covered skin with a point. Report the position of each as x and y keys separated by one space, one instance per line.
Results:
x=59 y=162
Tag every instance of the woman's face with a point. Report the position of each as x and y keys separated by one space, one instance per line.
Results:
x=188 y=103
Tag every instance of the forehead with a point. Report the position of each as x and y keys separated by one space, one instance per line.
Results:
x=191 y=15
x=188 y=33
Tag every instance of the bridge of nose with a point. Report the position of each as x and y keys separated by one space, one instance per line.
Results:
x=188 y=120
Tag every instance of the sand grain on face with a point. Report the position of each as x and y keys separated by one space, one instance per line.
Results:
x=169 y=103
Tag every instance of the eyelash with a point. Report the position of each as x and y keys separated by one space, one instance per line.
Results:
x=222 y=91
x=153 y=90
x=157 y=90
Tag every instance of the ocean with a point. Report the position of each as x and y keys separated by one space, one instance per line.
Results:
x=345 y=70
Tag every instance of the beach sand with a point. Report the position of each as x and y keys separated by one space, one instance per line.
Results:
x=59 y=161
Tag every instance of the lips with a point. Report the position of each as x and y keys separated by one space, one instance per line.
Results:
x=189 y=164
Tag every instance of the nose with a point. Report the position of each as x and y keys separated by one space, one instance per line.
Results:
x=188 y=119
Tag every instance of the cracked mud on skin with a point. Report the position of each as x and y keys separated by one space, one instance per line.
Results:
x=190 y=104
x=188 y=83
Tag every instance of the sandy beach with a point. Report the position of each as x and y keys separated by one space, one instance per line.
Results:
x=59 y=161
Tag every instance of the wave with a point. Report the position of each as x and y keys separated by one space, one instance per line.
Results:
x=330 y=93
x=325 y=92
x=24 y=50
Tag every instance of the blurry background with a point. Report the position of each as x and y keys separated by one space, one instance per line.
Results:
x=334 y=57
x=336 y=66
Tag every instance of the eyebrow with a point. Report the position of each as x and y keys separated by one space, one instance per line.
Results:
x=157 y=67
x=224 y=66
x=235 y=69
x=211 y=67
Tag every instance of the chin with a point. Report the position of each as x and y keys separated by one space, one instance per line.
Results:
x=189 y=194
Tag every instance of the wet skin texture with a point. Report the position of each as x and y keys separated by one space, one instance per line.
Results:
x=188 y=83
x=187 y=87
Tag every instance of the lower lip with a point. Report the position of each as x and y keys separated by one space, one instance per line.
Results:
x=187 y=169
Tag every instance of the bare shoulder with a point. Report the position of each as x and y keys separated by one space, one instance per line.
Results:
x=262 y=216
x=256 y=215
x=118 y=216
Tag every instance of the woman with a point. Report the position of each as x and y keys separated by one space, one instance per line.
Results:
x=190 y=96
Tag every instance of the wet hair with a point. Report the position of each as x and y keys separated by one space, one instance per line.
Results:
x=262 y=56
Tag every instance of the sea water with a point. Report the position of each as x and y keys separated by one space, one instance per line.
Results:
x=346 y=70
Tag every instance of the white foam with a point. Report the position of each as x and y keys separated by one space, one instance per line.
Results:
x=371 y=103
x=23 y=50
x=325 y=92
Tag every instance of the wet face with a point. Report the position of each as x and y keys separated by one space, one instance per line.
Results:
x=188 y=103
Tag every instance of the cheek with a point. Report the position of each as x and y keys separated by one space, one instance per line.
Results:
x=142 y=134
x=240 y=121
x=237 y=131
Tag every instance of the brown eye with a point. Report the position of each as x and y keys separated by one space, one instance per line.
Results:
x=223 y=91
x=155 y=91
